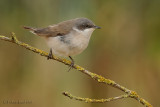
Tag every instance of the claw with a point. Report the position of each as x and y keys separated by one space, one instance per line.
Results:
x=72 y=63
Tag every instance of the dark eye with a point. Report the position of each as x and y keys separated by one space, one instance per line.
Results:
x=87 y=26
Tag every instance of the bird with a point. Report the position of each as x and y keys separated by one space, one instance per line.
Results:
x=67 y=38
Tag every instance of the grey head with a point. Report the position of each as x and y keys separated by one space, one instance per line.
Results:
x=84 y=23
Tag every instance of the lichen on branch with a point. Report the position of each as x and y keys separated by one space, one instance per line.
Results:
x=100 y=79
x=88 y=100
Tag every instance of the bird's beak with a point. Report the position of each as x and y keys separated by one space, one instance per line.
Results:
x=96 y=27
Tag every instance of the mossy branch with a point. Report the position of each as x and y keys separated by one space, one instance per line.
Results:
x=100 y=79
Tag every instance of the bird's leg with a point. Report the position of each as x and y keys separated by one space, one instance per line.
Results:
x=50 y=56
x=72 y=63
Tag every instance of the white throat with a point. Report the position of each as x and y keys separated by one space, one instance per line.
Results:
x=87 y=32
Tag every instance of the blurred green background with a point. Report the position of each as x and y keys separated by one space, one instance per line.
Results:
x=126 y=50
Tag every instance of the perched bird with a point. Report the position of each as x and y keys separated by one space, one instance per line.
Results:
x=67 y=38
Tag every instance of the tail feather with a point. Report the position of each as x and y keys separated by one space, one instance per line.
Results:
x=29 y=28
x=32 y=30
x=37 y=31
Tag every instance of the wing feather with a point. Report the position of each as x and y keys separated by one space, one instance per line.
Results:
x=60 y=29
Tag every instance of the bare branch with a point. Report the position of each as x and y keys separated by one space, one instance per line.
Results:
x=100 y=79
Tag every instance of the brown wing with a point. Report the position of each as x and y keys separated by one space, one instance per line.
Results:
x=55 y=30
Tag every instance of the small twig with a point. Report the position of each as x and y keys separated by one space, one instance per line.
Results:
x=100 y=79
x=88 y=100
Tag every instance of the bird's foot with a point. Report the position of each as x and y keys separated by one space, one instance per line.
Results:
x=71 y=66
x=50 y=56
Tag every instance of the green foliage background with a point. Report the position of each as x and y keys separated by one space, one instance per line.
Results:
x=126 y=49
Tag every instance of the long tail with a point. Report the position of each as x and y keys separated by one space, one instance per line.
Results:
x=37 y=31
x=29 y=28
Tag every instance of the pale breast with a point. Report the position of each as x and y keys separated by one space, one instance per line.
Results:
x=72 y=44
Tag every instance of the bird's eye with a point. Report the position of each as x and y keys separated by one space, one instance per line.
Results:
x=87 y=26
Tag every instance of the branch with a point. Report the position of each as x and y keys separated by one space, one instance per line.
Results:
x=88 y=100
x=100 y=79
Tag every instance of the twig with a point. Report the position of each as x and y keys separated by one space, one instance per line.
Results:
x=100 y=79
x=88 y=100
